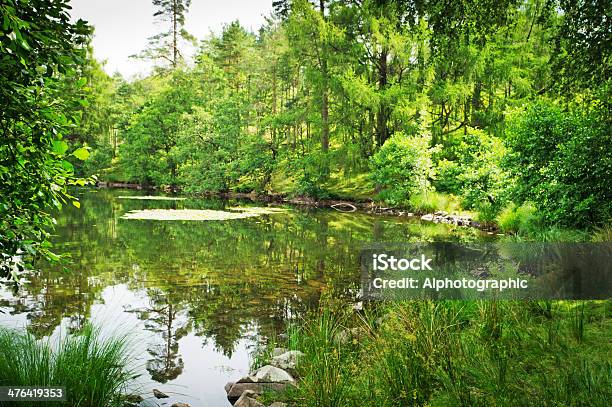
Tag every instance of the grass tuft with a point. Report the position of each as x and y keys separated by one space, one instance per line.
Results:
x=95 y=371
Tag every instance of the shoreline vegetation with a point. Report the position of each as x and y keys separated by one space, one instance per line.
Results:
x=96 y=371
x=449 y=353
x=512 y=222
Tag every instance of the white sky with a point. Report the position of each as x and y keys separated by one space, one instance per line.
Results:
x=123 y=26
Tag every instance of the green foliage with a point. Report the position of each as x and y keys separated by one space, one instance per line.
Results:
x=94 y=370
x=471 y=169
x=521 y=219
x=431 y=201
x=324 y=369
x=39 y=47
x=403 y=167
x=457 y=353
x=562 y=161
x=325 y=91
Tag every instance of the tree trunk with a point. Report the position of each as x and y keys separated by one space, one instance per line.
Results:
x=382 y=131
x=174 y=34
x=324 y=91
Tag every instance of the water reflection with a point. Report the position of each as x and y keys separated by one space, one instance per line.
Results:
x=222 y=284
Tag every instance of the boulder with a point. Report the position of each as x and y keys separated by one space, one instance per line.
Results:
x=247 y=399
x=273 y=374
x=159 y=394
x=287 y=360
x=237 y=389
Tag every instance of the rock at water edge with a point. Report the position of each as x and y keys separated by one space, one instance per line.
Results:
x=247 y=399
x=273 y=374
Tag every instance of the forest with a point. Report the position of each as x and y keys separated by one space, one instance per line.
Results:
x=493 y=110
x=496 y=107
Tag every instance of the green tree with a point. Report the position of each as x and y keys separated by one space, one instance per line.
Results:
x=166 y=44
x=38 y=46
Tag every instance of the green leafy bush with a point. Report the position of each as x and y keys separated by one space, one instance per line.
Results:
x=472 y=170
x=402 y=167
x=562 y=162
x=515 y=218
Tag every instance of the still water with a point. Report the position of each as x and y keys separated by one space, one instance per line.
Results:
x=197 y=297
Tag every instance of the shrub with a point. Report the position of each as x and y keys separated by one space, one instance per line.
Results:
x=402 y=167
x=515 y=218
x=472 y=170
x=562 y=162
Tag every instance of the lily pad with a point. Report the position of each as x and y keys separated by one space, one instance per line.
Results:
x=153 y=198
x=187 y=214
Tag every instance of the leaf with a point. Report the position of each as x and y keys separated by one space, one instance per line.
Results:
x=77 y=204
x=81 y=82
x=67 y=166
x=60 y=147
x=81 y=153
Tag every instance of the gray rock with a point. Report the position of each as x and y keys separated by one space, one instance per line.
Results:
x=287 y=360
x=247 y=399
x=228 y=386
x=159 y=394
x=278 y=404
x=273 y=374
x=429 y=217
x=258 y=388
x=278 y=351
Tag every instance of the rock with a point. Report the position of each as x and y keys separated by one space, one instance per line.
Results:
x=429 y=217
x=228 y=386
x=248 y=379
x=273 y=374
x=287 y=360
x=180 y=405
x=247 y=399
x=441 y=213
x=160 y=395
x=278 y=351
x=237 y=389
x=278 y=404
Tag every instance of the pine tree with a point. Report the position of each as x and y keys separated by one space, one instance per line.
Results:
x=166 y=44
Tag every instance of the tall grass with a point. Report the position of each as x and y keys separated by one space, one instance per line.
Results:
x=518 y=219
x=431 y=201
x=95 y=371
x=324 y=368
x=457 y=353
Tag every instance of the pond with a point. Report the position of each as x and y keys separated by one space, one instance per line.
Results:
x=198 y=296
